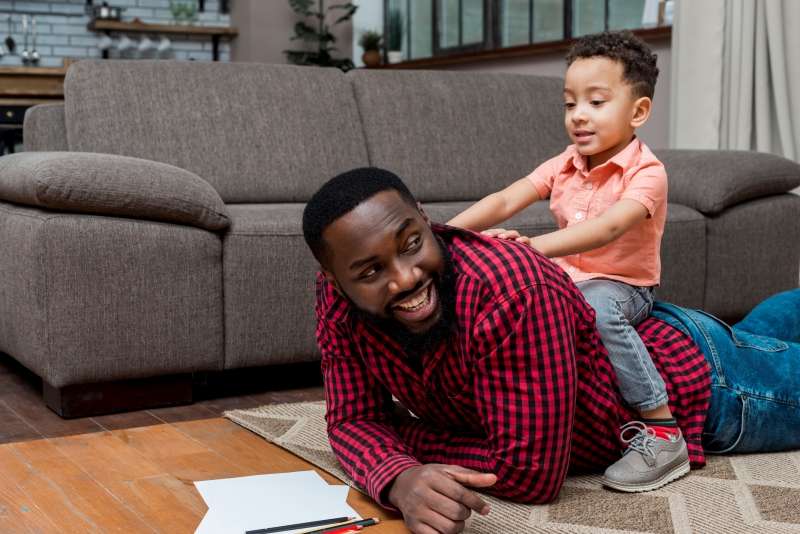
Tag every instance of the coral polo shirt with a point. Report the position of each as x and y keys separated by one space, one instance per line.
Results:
x=577 y=194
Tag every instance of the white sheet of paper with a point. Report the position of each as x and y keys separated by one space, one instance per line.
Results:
x=262 y=501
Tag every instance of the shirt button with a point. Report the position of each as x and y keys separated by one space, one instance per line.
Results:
x=579 y=216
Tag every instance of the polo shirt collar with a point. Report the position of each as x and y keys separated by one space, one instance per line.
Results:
x=624 y=159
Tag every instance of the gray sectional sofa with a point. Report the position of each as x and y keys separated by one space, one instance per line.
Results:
x=151 y=230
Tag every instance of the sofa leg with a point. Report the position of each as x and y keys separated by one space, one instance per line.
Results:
x=83 y=400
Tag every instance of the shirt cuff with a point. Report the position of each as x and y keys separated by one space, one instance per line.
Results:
x=382 y=477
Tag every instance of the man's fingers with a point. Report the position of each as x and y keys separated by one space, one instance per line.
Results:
x=434 y=523
x=474 y=479
x=457 y=490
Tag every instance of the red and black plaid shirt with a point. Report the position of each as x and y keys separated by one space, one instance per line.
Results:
x=523 y=389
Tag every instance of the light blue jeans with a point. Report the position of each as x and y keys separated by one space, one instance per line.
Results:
x=619 y=307
x=755 y=374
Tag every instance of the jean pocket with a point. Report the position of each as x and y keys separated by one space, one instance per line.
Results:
x=725 y=425
x=747 y=340
x=640 y=305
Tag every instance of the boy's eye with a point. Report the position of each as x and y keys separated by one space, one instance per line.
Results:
x=569 y=105
x=597 y=102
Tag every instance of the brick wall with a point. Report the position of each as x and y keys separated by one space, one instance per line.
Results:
x=61 y=29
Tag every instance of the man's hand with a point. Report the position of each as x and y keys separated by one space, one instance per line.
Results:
x=435 y=498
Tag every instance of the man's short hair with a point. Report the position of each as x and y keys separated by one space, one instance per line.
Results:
x=636 y=57
x=340 y=195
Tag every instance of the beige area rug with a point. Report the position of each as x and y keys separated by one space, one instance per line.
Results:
x=731 y=495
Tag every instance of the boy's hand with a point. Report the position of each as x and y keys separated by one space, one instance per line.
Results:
x=501 y=233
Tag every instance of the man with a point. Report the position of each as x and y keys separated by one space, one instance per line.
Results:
x=494 y=350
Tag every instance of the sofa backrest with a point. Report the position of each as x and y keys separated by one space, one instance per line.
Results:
x=256 y=132
x=459 y=135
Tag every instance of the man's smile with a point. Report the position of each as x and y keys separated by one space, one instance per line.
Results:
x=418 y=306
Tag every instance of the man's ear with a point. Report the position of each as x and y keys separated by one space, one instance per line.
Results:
x=424 y=215
x=641 y=111
x=332 y=280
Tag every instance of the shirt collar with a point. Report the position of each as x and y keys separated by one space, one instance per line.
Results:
x=623 y=159
x=627 y=156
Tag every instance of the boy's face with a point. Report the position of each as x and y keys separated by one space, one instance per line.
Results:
x=601 y=113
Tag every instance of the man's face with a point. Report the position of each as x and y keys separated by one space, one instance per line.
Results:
x=385 y=258
x=601 y=113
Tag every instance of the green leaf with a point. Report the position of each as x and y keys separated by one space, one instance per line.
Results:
x=301 y=7
x=350 y=10
x=305 y=32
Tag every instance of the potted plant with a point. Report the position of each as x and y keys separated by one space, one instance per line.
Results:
x=395 y=37
x=370 y=41
x=317 y=34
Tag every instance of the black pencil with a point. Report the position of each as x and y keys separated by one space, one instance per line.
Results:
x=295 y=526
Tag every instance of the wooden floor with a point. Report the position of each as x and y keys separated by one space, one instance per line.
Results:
x=134 y=472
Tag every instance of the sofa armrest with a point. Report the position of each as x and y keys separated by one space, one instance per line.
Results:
x=713 y=180
x=111 y=185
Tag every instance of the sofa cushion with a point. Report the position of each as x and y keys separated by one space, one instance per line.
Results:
x=255 y=132
x=89 y=299
x=269 y=278
x=752 y=254
x=111 y=185
x=713 y=180
x=457 y=135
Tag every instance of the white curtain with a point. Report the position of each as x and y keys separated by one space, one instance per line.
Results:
x=736 y=75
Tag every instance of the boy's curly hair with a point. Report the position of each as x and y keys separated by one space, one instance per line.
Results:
x=636 y=57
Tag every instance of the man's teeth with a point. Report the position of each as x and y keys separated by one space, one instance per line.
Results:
x=415 y=303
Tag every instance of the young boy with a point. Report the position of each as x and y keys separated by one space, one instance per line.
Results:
x=608 y=193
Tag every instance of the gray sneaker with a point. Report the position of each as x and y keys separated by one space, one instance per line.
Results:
x=649 y=462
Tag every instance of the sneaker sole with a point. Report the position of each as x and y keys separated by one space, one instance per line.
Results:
x=675 y=474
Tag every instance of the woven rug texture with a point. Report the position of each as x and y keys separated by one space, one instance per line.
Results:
x=757 y=493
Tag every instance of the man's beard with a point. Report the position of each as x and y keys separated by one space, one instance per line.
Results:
x=416 y=345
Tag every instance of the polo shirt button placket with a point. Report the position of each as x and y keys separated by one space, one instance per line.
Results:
x=579 y=216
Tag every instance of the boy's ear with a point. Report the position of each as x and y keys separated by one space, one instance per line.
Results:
x=641 y=111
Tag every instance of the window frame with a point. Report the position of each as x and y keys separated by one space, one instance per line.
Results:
x=491 y=46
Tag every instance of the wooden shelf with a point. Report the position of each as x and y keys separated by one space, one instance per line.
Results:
x=32 y=83
x=141 y=27
x=216 y=33
x=33 y=71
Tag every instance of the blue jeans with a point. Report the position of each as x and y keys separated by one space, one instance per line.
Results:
x=755 y=374
x=619 y=307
